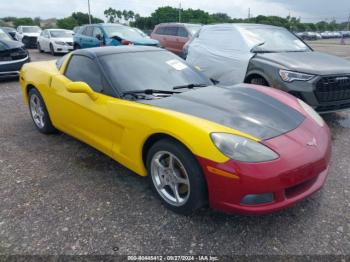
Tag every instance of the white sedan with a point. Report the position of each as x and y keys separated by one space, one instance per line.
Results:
x=55 y=41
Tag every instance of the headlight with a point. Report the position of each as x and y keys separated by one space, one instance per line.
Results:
x=59 y=43
x=242 y=149
x=311 y=112
x=289 y=76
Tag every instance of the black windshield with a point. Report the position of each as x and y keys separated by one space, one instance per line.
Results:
x=159 y=70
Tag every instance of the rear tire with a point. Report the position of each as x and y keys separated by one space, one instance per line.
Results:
x=176 y=177
x=39 y=113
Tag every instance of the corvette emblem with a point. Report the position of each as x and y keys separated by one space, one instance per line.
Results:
x=313 y=142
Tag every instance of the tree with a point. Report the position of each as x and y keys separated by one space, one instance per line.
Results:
x=67 y=23
x=37 y=20
x=76 y=19
x=110 y=14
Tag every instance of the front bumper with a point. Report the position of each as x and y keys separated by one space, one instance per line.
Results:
x=63 y=48
x=12 y=68
x=300 y=171
x=307 y=92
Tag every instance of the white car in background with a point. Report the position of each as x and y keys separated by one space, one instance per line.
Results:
x=28 y=35
x=55 y=41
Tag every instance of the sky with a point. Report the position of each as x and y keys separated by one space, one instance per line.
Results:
x=308 y=10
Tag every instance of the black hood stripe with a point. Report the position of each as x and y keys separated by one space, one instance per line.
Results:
x=241 y=108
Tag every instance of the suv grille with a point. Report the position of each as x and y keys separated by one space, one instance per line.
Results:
x=333 y=88
x=29 y=41
x=13 y=54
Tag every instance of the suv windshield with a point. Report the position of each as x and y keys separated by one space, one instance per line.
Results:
x=159 y=70
x=60 y=33
x=123 y=32
x=274 y=40
x=31 y=29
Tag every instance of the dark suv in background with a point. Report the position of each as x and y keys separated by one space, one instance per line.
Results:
x=173 y=36
x=12 y=56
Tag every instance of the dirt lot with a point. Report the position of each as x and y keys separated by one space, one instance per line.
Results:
x=59 y=196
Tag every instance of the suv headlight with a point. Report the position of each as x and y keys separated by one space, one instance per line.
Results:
x=242 y=149
x=59 y=43
x=311 y=112
x=289 y=76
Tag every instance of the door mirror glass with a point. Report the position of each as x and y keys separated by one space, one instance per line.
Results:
x=83 y=88
x=99 y=37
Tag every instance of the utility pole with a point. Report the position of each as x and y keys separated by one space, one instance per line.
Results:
x=180 y=12
x=248 y=13
x=349 y=23
x=89 y=12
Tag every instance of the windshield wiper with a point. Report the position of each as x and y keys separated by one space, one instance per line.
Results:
x=189 y=86
x=150 y=92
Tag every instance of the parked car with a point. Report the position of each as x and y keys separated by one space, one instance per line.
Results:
x=272 y=56
x=148 y=109
x=141 y=32
x=12 y=56
x=173 y=36
x=109 y=35
x=28 y=35
x=55 y=41
x=11 y=32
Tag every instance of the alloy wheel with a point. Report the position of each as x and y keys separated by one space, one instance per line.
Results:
x=37 y=111
x=170 y=178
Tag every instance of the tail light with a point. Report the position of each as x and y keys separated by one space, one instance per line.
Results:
x=126 y=42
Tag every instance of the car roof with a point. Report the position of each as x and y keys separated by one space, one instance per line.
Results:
x=110 y=50
x=245 y=25
x=183 y=24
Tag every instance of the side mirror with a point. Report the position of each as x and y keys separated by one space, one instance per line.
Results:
x=99 y=37
x=81 y=87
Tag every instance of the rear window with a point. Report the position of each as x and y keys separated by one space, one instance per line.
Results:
x=160 y=31
x=182 y=32
x=171 y=30
x=88 y=31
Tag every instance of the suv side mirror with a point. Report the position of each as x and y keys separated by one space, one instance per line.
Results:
x=81 y=87
x=99 y=37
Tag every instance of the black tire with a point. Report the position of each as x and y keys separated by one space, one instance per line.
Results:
x=76 y=46
x=47 y=127
x=197 y=196
x=258 y=81
x=52 y=51
x=39 y=48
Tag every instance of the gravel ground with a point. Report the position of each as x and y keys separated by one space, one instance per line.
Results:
x=59 y=196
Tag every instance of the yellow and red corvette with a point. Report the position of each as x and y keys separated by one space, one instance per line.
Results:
x=244 y=148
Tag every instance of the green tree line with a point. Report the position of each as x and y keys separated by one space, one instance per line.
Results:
x=171 y=14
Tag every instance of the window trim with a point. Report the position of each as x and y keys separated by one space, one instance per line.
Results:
x=104 y=79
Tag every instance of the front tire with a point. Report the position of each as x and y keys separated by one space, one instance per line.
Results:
x=176 y=177
x=52 y=50
x=258 y=81
x=39 y=48
x=39 y=113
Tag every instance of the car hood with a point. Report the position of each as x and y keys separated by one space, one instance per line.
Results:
x=309 y=62
x=239 y=107
x=63 y=39
x=31 y=34
x=10 y=44
x=144 y=41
